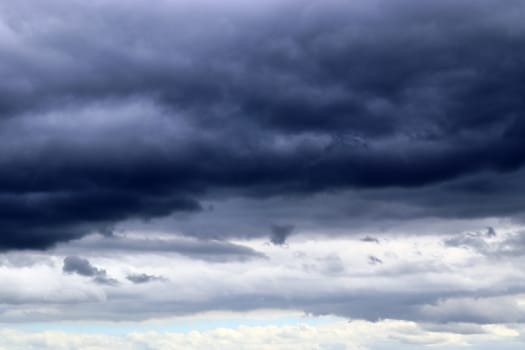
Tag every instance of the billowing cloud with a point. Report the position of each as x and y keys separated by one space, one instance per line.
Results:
x=103 y=122
x=334 y=335
x=360 y=161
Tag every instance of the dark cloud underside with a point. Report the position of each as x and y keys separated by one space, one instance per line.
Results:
x=146 y=111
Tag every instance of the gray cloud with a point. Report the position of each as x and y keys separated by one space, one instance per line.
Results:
x=75 y=264
x=422 y=282
x=140 y=278
x=370 y=239
x=208 y=250
x=374 y=260
x=280 y=233
x=510 y=245
x=82 y=267
x=172 y=139
x=339 y=100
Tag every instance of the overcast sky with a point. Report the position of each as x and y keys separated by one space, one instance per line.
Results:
x=292 y=174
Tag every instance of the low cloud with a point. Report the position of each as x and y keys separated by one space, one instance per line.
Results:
x=82 y=267
x=140 y=278
x=210 y=250
x=280 y=233
x=374 y=260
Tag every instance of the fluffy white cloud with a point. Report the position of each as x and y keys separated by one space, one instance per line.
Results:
x=338 y=335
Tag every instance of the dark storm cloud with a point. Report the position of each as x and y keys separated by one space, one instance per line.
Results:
x=146 y=111
x=36 y=220
x=82 y=267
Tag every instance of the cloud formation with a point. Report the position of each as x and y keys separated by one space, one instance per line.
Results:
x=139 y=278
x=102 y=122
x=358 y=161
x=213 y=251
x=82 y=267
x=335 y=335
x=280 y=233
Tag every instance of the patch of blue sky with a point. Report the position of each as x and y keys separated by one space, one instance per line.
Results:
x=184 y=325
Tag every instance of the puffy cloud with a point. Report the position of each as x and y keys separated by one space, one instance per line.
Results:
x=355 y=335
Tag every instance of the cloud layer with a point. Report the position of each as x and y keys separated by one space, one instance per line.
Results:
x=359 y=164
x=146 y=112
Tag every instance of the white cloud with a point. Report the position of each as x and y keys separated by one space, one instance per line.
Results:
x=420 y=279
x=344 y=335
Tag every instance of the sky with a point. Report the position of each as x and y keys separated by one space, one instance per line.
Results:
x=292 y=174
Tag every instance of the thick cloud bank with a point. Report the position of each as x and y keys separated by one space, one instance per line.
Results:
x=112 y=112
